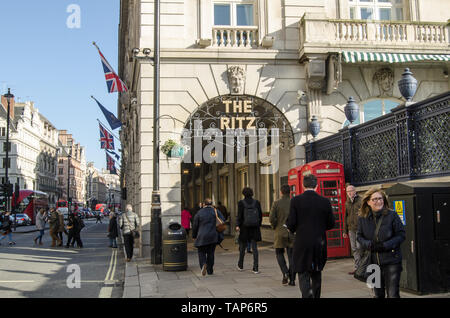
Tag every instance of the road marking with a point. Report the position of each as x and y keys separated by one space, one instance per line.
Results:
x=106 y=291
x=16 y=281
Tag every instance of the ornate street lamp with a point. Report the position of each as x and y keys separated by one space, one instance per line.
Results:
x=407 y=85
x=351 y=110
x=314 y=127
x=8 y=188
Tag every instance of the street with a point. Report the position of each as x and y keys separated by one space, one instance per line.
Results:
x=34 y=271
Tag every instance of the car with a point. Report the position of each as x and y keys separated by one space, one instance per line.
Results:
x=21 y=219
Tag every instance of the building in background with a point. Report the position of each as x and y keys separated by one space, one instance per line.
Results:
x=113 y=195
x=291 y=60
x=71 y=155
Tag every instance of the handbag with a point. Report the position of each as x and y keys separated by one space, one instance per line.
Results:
x=220 y=225
x=366 y=259
x=134 y=232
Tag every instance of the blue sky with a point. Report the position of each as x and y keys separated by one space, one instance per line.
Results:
x=57 y=67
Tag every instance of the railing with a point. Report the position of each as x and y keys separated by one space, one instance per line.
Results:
x=235 y=37
x=408 y=143
x=394 y=35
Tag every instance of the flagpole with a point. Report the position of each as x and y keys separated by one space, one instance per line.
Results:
x=155 y=222
x=104 y=126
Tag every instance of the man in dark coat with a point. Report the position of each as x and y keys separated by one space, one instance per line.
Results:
x=247 y=233
x=113 y=231
x=206 y=236
x=310 y=217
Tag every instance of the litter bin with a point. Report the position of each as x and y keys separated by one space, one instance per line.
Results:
x=424 y=209
x=174 y=244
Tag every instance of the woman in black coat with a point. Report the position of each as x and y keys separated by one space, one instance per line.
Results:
x=250 y=234
x=385 y=247
x=206 y=236
x=113 y=233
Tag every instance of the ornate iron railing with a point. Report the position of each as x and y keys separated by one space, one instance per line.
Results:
x=410 y=142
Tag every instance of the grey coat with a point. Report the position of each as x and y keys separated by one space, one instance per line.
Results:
x=126 y=226
x=278 y=217
x=40 y=221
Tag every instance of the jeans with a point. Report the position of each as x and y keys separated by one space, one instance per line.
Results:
x=310 y=284
x=128 y=241
x=242 y=247
x=112 y=242
x=390 y=281
x=41 y=234
x=356 y=247
x=9 y=236
x=282 y=262
x=206 y=256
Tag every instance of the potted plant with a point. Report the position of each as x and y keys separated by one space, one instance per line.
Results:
x=172 y=149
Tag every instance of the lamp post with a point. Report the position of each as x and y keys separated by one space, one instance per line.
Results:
x=8 y=97
x=69 y=156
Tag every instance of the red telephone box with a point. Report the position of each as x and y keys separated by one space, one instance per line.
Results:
x=330 y=184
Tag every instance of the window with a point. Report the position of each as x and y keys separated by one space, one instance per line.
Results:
x=234 y=13
x=9 y=147
x=372 y=109
x=3 y=131
x=9 y=163
x=61 y=170
x=385 y=10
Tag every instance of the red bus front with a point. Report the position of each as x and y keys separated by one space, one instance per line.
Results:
x=30 y=202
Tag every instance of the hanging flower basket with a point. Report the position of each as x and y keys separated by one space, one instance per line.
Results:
x=172 y=150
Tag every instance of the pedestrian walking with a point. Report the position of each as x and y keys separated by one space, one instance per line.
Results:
x=40 y=226
x=385 y=246
x=352 y=206
x=310 y=216
x=74 y=225
x=6 y=228
x=53 y=222
x=98 y=217
x=113 y=232
x=186 y=220
x=248 y=223
x=206 y=236
x=61 y=227
x=223 y=209
x=128 y=223
x=283 y=239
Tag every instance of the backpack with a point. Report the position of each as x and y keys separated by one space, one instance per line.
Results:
x=251 y=215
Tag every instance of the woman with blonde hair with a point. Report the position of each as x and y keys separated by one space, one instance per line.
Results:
x=384 y=244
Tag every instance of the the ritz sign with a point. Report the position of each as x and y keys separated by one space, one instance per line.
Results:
x=235 y=116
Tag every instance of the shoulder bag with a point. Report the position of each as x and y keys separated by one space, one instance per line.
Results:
x=134 y=232
x=220 y=225
x=366 y=258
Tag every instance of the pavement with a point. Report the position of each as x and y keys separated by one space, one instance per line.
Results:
x=146 y=280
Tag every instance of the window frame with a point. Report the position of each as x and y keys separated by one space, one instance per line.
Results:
x=376 y=5
x=361 y=104
x=233 y=12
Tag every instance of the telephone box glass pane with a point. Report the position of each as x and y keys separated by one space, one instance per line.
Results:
x=330 y=184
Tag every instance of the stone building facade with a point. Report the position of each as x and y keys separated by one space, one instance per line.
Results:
x=286 y=60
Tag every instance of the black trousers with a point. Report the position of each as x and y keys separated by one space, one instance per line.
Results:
x=60 y=235
x=282 y=262
x=390 y=281
x=242 y=248
x=310 y=284
x=206 y=256
x=128 y=241
x=74 y=237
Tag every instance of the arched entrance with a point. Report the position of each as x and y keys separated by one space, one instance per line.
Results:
x=234 y=141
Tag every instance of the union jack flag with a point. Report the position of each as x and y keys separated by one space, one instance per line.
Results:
x=106 y=139
x=110 y=164
x=113 y=82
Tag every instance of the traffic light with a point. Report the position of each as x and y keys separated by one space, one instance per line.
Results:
x=7 y=189
x=69 y=201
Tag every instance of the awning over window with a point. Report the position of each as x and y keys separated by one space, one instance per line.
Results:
x=356 y=57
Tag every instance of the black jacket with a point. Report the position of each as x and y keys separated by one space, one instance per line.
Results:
x=112 y=228
x=204 y=227
x=391 y=234
x=310 y=217
x=247 y=234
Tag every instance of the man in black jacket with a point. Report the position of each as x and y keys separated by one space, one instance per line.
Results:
x=310 y=217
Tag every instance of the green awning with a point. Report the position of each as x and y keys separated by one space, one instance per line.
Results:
x=356 y=57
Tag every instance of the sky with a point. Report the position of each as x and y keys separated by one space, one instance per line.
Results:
x=48 y=58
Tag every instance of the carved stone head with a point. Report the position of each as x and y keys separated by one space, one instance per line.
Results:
x=385 y=80
x=236 y=78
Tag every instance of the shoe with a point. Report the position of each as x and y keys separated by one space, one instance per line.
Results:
x=249 y=251
x=35 y=241
x=351 y=273
x=255 y=270
x=285 y=280
x=128 y=259
x=67 y=246
x=204 y=270
x=114 y=247
x=11 y=243
x=240 y=268
x=40 y=243
x=292 y=283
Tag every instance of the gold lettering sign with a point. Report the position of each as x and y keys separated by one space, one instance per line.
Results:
x=235 y=116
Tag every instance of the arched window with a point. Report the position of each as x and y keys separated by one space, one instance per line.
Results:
x=372 y=109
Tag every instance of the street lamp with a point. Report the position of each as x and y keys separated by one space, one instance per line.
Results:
x=8 y=189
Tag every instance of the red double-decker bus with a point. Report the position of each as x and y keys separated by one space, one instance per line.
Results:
x=30 y=202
